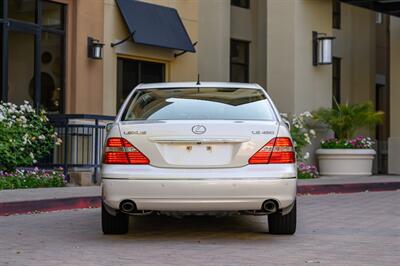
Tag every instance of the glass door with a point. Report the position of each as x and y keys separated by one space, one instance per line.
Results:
x=32 y=53
x=130 y=73
x=21 y=65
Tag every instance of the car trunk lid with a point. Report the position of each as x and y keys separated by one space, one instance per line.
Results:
x=198 y=144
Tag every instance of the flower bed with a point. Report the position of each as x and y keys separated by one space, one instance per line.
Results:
x=301 y=135
x=31 y=179
x=307 y=171
x=359 y=142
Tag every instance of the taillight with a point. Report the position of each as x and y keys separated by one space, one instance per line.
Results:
x=277 y=150
x=121 y=151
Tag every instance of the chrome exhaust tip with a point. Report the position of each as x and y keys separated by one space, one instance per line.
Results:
x=127 y=206
x=269 y=206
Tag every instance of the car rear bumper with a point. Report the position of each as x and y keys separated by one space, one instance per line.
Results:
x=199 y=194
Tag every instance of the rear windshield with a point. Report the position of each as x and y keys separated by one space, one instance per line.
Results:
x=198 y=104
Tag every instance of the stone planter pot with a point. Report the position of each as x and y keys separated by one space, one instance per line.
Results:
x=345 y=162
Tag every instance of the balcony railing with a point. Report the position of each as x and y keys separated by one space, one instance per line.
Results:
x=83 y=138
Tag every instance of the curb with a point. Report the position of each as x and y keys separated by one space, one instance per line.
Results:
x=47 y=205
x=347 y=188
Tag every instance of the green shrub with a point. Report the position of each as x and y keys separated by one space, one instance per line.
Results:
x=346 y=119
x=31 y=179
x=307 y=171
x=25 y=136
x=302 y=133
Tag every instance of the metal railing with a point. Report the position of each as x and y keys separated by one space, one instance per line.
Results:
x=82 y=138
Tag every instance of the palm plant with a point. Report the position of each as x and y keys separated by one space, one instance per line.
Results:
x=346 y=119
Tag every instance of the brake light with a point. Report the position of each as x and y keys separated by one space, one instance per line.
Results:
x=277 y=150
x=121 y=151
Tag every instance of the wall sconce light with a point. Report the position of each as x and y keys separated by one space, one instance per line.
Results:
x=95 y=48
x=322 y=49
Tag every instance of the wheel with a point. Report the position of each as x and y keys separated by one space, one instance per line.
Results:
x=118 y=224
x=279 y=224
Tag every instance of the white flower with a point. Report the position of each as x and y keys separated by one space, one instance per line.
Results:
x=42 y=137
x=307 y=114
x=306 y=156
x=58 y=141
x=312 y=132
x=25 y=139
x=31 y=155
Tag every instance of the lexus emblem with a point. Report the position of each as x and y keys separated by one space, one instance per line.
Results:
x=199 y=129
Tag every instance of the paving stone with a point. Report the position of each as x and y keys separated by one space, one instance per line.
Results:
x=346 y=229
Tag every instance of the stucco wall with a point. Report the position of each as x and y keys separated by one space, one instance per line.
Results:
x=85 y=95
x=355 y=44
x=251 y=25
x=313 y=85
x=293 y=82
x=183 y=68
x=394 y=140
x=214 y=36
x=281 y=54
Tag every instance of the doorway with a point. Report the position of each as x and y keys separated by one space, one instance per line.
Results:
x=383 y=130
x=131 y=73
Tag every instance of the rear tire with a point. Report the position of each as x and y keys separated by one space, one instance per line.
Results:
x=279 y=224
x=118 y=224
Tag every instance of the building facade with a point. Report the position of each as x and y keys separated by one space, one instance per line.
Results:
x=44 y=44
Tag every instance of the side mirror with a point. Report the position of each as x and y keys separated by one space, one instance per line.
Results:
x=109 y=126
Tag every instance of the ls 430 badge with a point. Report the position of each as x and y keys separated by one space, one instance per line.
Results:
x=135 y=132
x=262 y=132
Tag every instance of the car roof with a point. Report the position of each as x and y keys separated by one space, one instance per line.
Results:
x=201 y=85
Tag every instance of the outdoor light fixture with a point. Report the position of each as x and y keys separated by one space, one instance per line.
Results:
x=322 y=49
x=95 y=48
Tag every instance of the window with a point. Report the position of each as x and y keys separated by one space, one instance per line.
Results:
x=2 y=5
x=33 y=53
x=239 y=61
x=241 y=3
x=52 y=79
x=199 y=104
x=130 y=73
x=21 y=65
x=337 y=14
x=336 y=78
x=53 y=15
x=22 y=10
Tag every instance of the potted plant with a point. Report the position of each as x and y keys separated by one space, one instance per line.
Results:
x=347 y=154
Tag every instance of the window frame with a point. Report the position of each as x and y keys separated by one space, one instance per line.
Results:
x=336 y=80
x=9 y=24
x=246 y=64
x=336 y=14
x=140 y=62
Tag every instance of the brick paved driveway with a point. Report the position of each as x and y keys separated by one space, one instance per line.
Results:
x=352 y=229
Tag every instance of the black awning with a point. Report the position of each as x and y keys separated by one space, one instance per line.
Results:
x=155 y=25
x=390 y=7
